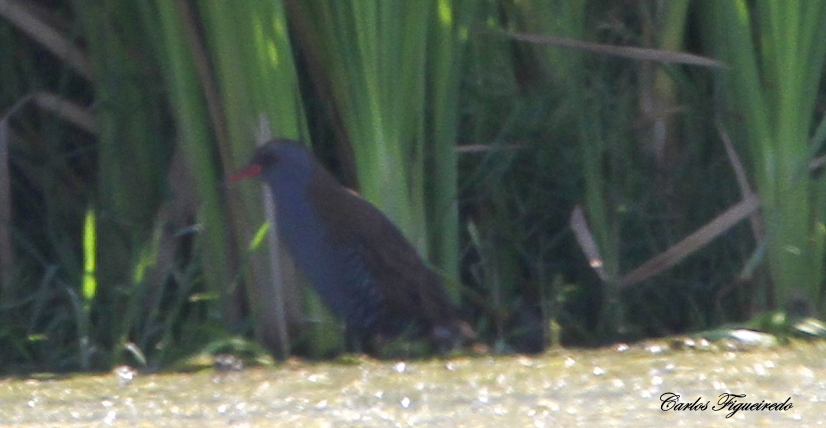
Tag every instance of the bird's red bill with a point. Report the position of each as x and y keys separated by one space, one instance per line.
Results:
x=250 y=171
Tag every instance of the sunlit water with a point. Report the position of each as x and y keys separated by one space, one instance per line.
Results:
x=619 y=387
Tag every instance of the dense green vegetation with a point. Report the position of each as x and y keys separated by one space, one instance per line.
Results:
x=579 y=171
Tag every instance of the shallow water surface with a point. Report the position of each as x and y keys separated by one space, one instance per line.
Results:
x=565 y=388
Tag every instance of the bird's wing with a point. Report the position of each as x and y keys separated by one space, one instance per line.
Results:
x=401 y=275
x=405 y=283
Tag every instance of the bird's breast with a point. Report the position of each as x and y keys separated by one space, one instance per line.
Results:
x=308 y=238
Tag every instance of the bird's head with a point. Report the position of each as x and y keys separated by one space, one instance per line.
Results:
x=279 y=161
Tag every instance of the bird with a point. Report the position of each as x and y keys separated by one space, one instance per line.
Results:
x=360 y=264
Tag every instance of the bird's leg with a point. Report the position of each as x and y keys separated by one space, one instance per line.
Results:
x=355 y=339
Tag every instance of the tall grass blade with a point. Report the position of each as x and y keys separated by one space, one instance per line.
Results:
x=777 y=55
x=90 y=284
